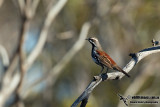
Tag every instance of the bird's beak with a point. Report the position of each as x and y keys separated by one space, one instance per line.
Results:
x=86 y=39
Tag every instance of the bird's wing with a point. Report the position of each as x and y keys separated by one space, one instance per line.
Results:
x=107 y=61
x=104 y=60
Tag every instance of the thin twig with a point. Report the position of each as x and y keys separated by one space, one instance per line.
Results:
x=10 y=84
x=8 y=80
x=53 y=12
x=57 y=69
x=9 y=88
x=23 y=31
x=43 y=35
x=112 y=76
x=44 y=32
x=21 y=5
x=25 y=7
x=4 y=56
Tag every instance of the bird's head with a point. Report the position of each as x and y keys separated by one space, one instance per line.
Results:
x=94 y=41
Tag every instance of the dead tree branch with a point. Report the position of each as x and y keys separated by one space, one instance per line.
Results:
x=136 y=57
x=139 y=80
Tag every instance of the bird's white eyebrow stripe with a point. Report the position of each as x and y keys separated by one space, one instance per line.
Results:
x=94 y=39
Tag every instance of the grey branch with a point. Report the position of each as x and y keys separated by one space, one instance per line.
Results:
x=140 y=79
x=116 y=75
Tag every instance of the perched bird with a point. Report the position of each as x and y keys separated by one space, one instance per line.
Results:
x=102 y=58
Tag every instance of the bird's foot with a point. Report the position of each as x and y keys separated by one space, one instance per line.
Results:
x=104 y=76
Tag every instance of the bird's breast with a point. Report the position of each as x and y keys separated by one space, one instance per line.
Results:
x=94 y=57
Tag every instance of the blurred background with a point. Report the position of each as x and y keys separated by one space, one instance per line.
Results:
x=122 y=27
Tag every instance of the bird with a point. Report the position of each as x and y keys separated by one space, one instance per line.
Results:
x=101 y=58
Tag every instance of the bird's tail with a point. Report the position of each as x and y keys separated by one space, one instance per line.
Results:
x=119 y=69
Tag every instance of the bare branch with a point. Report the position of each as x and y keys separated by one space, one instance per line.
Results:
x=7 y=80
x=29 y=9
x=23 y=31
x=4 y=55
x=44 y=32
x=84 y=102
x=135 y=59
x=8 y=88
x=154 y=43
x=139 y=81
x=34 y=6
x=54 y=73
x=117 y=75
x=21 y=5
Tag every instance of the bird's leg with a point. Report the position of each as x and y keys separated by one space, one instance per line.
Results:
x=103 y=75
x=106 y=70
x=102 y=68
